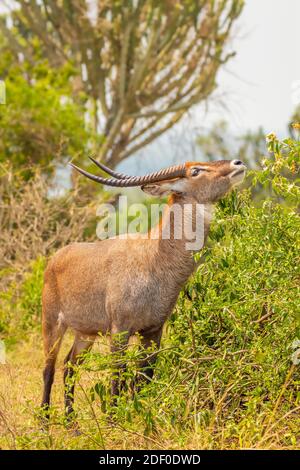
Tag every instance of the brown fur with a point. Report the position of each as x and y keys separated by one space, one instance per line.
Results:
x=124 y=285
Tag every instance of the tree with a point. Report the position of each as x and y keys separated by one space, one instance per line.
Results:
x=142 y=63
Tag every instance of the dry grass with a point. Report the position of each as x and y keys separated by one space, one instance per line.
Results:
x=20 y=392
x=32 y=223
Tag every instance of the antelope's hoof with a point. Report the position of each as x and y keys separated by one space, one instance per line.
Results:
x=76 y=432
x=43 y=418
x=73 y=428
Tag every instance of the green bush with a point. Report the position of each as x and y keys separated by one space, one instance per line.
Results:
x=40 y=123
x=30 y=299
x=226 y=367
x=20 y=304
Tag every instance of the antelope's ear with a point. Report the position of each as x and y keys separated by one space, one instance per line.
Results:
x=165 y=187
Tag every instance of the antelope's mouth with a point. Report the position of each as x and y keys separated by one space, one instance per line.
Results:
x=242 y=171
x=238 y=175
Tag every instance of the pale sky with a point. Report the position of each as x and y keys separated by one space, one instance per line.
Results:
x=259 y=81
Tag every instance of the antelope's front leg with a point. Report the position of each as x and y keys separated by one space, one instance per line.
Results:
x=149 y=338
x=119 y=343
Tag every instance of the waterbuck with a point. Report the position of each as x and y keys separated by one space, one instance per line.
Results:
x=130 y=285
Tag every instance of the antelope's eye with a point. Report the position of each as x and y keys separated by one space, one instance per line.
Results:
x=195 y=171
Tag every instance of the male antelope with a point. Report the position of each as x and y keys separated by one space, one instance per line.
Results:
x=127 y=285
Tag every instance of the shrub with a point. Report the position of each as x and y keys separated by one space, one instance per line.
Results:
x=20 y=303
x=32 y=223
x=39 y=124
x=226 y=368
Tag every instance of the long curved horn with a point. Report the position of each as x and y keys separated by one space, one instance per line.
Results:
x=176 y=171
x=115 y=174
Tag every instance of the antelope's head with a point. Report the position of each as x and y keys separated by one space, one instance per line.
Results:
x=204 y=182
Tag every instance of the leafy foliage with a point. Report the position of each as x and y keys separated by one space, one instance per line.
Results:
x=39 y=124
x=226 y=369
x=20 y=304
x=282 y=170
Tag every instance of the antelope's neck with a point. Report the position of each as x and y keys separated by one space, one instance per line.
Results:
x=182 y=232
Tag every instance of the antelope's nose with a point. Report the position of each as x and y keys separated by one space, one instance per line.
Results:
x=237 y=162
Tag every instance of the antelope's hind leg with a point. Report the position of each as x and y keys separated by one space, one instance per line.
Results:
x=53 y=335
x=82 y=344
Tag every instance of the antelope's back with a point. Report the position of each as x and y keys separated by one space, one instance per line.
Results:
x=77 y=275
